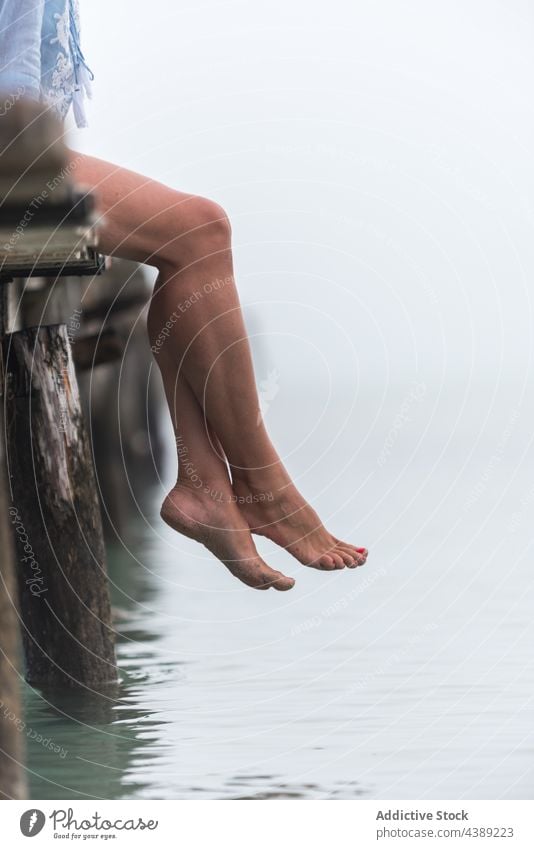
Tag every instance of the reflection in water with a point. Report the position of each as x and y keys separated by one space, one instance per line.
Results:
x=89 y=741
x=95 y=746
x=93 y=739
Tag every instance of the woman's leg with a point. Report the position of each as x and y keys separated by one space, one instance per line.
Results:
x=197 y=331
x=202 y=504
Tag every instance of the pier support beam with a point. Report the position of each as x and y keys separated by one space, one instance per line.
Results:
x=12 y=775
x=12 y=781
x=63 y=586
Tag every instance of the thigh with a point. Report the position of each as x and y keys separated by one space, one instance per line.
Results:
x=140 y=218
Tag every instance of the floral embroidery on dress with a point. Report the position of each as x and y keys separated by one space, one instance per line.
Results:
x=60 y=94
x=62 y=29
x=68 y=79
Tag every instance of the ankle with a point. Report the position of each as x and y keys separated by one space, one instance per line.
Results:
x=215 y=489
x=261 y=484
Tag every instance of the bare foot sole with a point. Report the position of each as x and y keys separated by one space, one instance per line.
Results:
x=221 y=528
x=289 y=521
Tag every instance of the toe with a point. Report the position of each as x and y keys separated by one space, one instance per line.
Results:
x=325 y=562
x=359 y=554
x=348 y=559
x=350 y=556
x=338 y=560
x=282 y=582
x=360 y=559
x=347 y=546
x=255 y=573
x=272 y=578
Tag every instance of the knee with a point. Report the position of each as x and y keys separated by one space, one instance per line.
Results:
x=208 y=215
x=206 y=230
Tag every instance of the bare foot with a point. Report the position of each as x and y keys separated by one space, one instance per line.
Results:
x=275 y=509
x=219 y=525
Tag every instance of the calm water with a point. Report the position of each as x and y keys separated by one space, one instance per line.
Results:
x=410 y=678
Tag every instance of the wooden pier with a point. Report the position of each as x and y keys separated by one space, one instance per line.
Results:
x=54 y=593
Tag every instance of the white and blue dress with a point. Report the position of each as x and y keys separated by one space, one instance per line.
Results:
x=40 y=56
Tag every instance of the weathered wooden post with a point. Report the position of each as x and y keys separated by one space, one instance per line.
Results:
x=12 y=783
x=47 y=229
x=67 y=633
